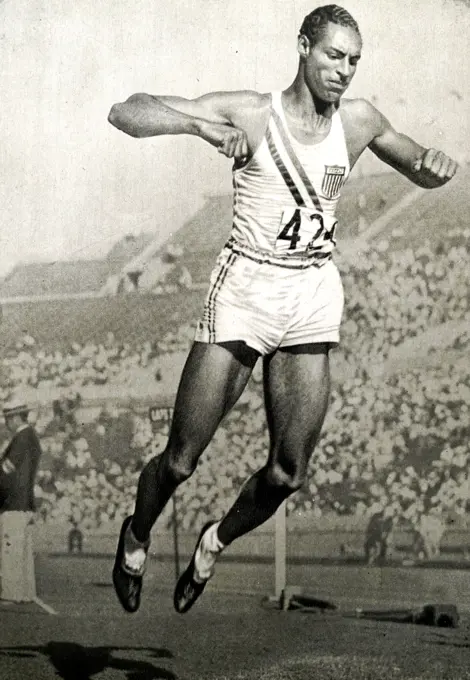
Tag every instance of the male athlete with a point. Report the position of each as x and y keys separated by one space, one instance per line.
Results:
x=275 y=291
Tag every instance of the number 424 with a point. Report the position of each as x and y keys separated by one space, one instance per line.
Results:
x=291 y=231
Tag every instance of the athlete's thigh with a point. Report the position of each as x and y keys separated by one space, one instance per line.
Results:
x=297 y=387
x=212 y=380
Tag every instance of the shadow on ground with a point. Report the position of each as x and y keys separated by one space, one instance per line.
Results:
x=445 y=641
x=72 y=661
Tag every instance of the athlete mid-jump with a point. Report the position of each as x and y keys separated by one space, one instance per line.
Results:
x=275 y=291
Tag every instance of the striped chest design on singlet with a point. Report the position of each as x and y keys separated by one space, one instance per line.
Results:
x=285 y=197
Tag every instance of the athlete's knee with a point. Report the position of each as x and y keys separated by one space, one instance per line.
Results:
x=173 y=467
x=180 y=469
x=285 y=480
x=180 y=464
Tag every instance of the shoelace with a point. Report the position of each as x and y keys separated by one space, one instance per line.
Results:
x=133 y=589
x=188 y=591
x=135 y=562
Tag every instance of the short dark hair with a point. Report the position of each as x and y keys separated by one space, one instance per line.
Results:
x=315 y=23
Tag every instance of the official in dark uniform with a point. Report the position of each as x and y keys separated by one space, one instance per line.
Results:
x=18 y=467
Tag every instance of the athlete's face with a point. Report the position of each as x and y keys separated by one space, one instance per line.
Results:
x=330 y=64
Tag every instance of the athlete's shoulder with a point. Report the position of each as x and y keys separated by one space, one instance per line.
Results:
x=239 y=98
x=249 y=110
x=241 y=107
x=251 y=103
x=361 y=112
x=254 y=98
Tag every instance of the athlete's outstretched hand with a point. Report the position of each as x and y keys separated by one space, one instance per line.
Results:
x=229 y=141
x=435 y=168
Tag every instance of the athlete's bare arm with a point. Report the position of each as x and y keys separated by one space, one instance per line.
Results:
x=366 y=127
x=227 y=120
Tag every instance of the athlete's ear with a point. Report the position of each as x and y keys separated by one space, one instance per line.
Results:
x=303 y=46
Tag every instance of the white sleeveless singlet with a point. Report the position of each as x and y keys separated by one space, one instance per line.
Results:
x=285 y=197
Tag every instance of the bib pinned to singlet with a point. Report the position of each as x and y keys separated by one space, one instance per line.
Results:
x=304 y=229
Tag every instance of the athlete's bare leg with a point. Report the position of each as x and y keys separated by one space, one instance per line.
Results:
x=213 y=379
x=297 y=385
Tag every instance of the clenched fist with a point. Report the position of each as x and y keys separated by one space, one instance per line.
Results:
x=229 y=141
x=435 y=168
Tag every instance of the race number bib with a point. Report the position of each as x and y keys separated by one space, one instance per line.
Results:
x=305 y=230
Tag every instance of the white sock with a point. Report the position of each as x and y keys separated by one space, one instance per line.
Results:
x=135 y=553
x=209 y=548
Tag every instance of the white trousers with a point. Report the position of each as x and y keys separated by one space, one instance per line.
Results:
x=17 y=577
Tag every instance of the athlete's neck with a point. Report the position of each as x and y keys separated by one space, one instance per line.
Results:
x=306 y=109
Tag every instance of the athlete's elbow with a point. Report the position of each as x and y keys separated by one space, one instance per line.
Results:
x=113 y=114
x=120 y=117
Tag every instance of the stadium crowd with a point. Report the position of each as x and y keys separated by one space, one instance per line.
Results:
x=395 y=445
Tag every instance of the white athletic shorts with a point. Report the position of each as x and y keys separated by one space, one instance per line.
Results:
x=271 y=305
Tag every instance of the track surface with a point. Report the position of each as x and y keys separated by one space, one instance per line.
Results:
x=229 y=635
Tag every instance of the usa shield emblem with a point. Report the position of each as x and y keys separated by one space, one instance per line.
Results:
x=333 y=180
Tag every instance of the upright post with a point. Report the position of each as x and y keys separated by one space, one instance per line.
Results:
x=175 y=538
x=280 y=551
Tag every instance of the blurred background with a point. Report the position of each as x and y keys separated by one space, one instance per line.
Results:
x=72 y=184
x=107 y=243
